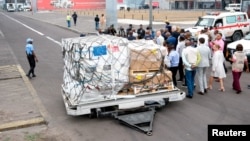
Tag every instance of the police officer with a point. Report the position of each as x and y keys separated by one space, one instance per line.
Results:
x=31 y=56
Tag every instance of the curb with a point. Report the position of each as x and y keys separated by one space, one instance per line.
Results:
x=34 y=95
x=32 y=121
x=22 y=123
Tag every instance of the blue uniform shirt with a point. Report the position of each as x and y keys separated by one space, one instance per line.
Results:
x=174 y=58
x=29 y=49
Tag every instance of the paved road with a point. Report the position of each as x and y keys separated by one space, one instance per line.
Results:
x=186 y=120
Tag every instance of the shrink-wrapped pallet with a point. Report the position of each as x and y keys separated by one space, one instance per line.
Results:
x=98 y=68
x=94 y=67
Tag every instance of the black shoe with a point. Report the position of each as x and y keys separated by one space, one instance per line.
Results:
x=33 y=75
x=184 y=85
x=205 y=90
x=248 y=86
x=238 y=92
x=189 y=96
x=28 y=76
x=179 y=80
x=201 y=93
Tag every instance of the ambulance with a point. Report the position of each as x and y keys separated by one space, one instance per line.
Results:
x=233 y=25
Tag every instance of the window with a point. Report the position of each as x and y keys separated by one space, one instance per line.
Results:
x=231 y=19
x=205 y=22
x=241 y=18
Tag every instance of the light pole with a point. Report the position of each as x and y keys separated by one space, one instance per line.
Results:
x=33 y=6
x=150 y=14
x=111 y=13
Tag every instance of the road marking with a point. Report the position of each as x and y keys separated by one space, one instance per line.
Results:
x=1 y=34
x=53 y=40
x=38 y=32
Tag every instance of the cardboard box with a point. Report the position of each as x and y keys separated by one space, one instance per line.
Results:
x=144 y=64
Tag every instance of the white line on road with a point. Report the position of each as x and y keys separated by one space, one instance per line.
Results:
x=38 y=32
x=53 y=40
x=1 y=34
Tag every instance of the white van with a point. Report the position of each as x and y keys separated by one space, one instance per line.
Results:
x=234 y=25
x=233 y=7
x=10 y=7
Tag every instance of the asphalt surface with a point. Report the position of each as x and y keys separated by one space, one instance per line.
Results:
x=186 y=120
x=18 y=98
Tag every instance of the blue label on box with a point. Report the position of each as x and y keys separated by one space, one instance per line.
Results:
x=99 y=50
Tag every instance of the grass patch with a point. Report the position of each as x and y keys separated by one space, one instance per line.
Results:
x=32 y=137
x=7 y=139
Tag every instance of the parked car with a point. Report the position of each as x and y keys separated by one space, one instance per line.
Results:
x=231 y=48
x=146 y=6
x=233 y=6
x=10 y=7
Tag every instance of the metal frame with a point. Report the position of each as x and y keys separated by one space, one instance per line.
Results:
x=122 y=103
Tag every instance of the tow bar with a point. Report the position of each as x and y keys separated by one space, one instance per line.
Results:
x=141 y=121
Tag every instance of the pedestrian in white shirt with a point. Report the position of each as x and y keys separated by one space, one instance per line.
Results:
x=159 y=38
x=179 y=48
x=217 y=67
x=204 y=35
x=191 y=58
x=203 y=65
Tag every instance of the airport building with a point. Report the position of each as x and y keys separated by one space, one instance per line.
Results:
x=101 y=4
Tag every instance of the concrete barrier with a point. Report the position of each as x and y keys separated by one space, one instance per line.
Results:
x=158 y=15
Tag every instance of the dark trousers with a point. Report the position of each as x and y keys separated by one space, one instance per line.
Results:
x=174 y=72
x=236 y=80
x=74 y=19
x=180 y=69
x=32 y=63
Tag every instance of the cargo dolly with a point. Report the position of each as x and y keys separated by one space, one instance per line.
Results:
x=137 y=111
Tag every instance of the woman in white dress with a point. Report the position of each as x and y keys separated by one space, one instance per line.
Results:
x=217 y=67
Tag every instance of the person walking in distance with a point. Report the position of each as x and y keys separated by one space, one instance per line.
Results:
x=68 y=19
x=238 y=59
x=103 y=21
x=74 y=16
x=191 y=58
x=217 y=67
x=205 y=53
x=31 y=56
x=97 y=20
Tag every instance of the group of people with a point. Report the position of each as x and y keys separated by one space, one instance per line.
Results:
x=98 y=20
x=68 y=19
x=184 y=54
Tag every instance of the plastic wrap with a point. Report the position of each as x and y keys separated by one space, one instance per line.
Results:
x=98 y=68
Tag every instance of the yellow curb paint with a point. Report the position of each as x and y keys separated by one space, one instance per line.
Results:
x=22 y=123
